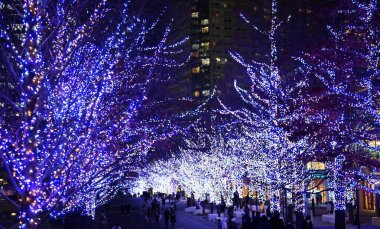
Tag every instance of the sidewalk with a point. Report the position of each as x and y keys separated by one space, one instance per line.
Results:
x=318 y=224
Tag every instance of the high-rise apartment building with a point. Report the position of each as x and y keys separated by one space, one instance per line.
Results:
x=216 y=28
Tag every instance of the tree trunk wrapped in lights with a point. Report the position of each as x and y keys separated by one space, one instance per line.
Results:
x=340 y=189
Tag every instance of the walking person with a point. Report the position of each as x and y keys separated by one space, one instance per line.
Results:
x=246 y=221
x=230 y=214
x=307 y=224
x=103 y=220
x=157 y=215
x=276 y=222
x=172 y=217
x=166 y=216
x=127 y=207
x=264 y=223
x=148 y=214
x=107 y=206
x=122 y=208
x=255 y=220
x=163 y=202
x=289 y=225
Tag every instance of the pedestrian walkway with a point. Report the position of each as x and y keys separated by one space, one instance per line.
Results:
x=137 y=220
x=318 y=224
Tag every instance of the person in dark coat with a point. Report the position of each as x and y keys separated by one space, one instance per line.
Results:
x=166 y=216
x=157 y=215
x=163 y=202
x=289 y=225
x=247 y=200
x=246 y=221
x=127 y=207
x=255 y=221
x=107 y=206
x=264 y=223
x=268 y=212
x=172 y=217
x=276 y=222
x=122 y=208
x=148 y=214
x=236 y=198
x=230 y=214
x=307 y=224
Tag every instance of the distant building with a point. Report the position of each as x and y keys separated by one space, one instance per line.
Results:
x=216 y=28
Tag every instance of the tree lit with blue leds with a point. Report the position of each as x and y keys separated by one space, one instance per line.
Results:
x=76 y=125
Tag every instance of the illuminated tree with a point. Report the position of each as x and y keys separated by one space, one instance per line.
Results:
x=79 y=102
x=216 y=172
x=339 y=108
x=266 y=120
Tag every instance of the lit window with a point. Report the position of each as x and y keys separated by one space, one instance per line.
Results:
x=195 y=46
x=221 y=60
x=196 y=70
x=205 y=45
x=195 y=15
x=196 y=94
x=204 y=29
x=204 y=22
x=206 y=61
x=206 y=92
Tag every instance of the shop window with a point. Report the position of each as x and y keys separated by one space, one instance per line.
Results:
x=368 y=197
x=314 y=165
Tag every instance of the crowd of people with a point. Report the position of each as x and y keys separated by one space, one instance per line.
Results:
x=154 y=213
x=164 y=207
x=268 y=221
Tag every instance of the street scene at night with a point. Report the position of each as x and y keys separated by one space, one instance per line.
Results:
x=189 y=114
